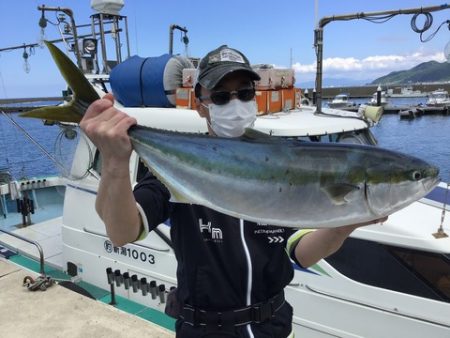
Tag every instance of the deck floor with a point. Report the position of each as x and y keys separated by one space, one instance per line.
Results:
x=47 y=234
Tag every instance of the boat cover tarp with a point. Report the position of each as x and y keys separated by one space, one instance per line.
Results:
x=148 y=82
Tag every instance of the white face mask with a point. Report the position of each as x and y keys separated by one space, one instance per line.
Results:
x=231 y=119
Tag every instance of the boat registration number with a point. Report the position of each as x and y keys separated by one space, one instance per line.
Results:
x=128 y=252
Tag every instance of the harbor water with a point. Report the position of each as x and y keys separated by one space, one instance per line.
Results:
x=22 y=158
x=426 y=137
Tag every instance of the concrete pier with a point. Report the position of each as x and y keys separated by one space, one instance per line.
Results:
x=59 y=312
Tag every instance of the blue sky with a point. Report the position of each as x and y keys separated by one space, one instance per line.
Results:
x=266 y=31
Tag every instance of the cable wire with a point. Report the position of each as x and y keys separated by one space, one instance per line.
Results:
x=65 y=172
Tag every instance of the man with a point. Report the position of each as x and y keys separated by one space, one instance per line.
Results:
x=230 y=275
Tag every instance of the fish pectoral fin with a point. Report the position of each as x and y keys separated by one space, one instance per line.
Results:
x=175 y=195
x=340 y=193
x=251 y=134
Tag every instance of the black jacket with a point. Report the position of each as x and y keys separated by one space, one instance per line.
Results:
x=223 y=262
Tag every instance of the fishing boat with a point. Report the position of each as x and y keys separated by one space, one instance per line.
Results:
x=341 y=101
x=405 y=92
x=389 y=280
x=438 y=98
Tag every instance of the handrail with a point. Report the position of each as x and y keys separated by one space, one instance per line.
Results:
x=41 y=252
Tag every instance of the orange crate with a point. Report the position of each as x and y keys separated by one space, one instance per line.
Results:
x=261 y=101
x=268 y=101
x=184 y=97
x=274 y=103
x=193 y=105
x=287 y=99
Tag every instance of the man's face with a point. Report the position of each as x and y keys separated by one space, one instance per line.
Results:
x=230 y=83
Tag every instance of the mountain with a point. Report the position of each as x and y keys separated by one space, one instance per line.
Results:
x=431 y=71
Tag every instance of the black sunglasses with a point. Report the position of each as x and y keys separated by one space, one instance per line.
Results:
x=223 y=97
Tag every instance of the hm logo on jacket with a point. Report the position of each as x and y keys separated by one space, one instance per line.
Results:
x=209 y=232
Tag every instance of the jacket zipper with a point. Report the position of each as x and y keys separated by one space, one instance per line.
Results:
x=249 y=273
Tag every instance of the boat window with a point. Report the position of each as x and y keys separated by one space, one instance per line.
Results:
x=407 y=271
x=317 y=138
x=364 y=136
x=433 y=269
x=351 y=138
x=357 y=137
x=330 y=138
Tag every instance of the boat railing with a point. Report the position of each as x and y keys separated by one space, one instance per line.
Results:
x=36 y=244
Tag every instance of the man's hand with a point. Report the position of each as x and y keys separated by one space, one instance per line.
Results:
x=107 y=127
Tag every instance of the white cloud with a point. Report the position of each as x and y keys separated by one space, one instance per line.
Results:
x=368 y=67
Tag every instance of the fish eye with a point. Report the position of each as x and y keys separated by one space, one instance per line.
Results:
x=416 y=175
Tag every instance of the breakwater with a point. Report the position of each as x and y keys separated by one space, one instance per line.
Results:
x=17 y=105
x=369 y=90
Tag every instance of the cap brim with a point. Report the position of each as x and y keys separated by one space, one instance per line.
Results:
x=211 y=78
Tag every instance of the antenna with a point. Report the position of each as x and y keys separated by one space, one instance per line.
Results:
x=316 y=14
x=290 y=57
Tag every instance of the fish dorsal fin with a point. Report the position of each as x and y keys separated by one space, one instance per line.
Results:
x=340 y=193
x=253 y=134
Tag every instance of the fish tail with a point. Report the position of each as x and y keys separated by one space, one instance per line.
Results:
x=83 y=92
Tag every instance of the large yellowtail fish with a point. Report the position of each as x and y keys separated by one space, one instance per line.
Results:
x=264 y=179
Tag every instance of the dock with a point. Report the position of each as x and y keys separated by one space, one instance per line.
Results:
x=424 y=110
x=367 y=91
x=60 y=312
x=419 y=110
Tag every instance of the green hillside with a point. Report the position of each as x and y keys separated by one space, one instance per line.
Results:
x=430 y=71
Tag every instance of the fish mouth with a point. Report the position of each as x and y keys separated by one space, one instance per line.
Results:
x=430 y=183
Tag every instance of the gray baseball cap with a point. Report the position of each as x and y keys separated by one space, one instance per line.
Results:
x=220 y=62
